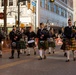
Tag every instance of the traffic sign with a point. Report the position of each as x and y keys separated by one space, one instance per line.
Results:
x=33 y=3
x=1 y=15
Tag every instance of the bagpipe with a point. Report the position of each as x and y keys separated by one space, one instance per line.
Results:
x=74 y=31
x=45 y=32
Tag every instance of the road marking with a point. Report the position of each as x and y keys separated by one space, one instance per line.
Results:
x=13 y=64
x=19 y=62
x=57 y=58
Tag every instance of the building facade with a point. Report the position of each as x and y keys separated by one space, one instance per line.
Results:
x=74 y=6
x=27 y=16
x=56 y=13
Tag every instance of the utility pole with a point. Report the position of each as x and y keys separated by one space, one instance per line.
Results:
x=18 y=13
x=5 y=14
x=35 y=16
x=5 y=20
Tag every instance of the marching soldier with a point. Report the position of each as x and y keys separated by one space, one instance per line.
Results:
x=14 y=37
x=51 y=41
x=2 y=36
x=42 y=35
x=70 y=42
x=31 y=40
x=23 y=42
x=74 y=42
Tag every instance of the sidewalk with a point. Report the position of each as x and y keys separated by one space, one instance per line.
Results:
x=6 y=46
x=6 y=50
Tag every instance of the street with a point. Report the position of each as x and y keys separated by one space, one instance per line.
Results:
x=31 y=23
x=30 y=65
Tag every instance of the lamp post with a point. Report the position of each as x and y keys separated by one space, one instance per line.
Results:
x=5 y=20
x=15 y=19
x=5 y=16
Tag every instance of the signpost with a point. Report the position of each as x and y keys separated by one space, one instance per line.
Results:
x=33 y=3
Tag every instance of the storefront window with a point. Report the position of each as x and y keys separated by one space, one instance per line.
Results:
x=42 y=3
x=71 y=3
x=9 y=29
x=71 y=16
x=10 y=2
x=59 y=10
x=55 y=8
x=24 y=2
x=65 y=13
x=62 y=12
x=52 y=9
x=2 y=3
x=49 y=5
x=66 y=1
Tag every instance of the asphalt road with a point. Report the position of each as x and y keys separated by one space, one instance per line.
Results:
x=30 y=65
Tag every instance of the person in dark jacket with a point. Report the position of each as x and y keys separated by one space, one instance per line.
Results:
x=42 y=35
x=51 y=41
x=31 y=40
x=1 y=38
x=14 y=37
x=70 y=42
